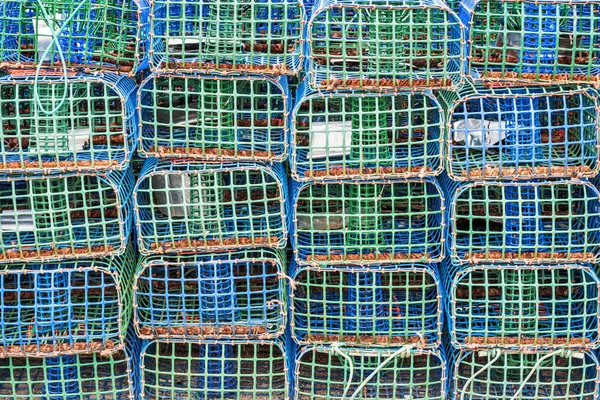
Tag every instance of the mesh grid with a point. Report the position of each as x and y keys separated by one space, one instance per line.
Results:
x=368 y=222
x=367 y=307
x=211 y=118
x=379 y=44
x=362 y=136
x=533 y=42
x=92 y=34
x=522 y=133
x=203 y=207
x=226 y=35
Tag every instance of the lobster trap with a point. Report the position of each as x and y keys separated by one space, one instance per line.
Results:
x=92 y=34
x=367 y=307
x=227 y=35
x=534 y=222
x=362 y=136
x=202 y=207
x=82 y=376
x=237 y=295
x=49 y=124
x=381 y=44
x=526 y=133
x=523 y=307
x=531 y=41
x=65 y=308
x=212 y=118
x=558 y=375
x=369 y=222
x=332 y=373
x=225 y=370
x=64 y=217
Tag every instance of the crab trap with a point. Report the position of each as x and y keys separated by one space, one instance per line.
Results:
x=533 y=41
x=223 y=370
x=333 y=372
x=362 y=136
x=367 y=307
x=235 y=295
x=522 y=133
x=212 y=118
x=532 y=222
x=65 y=308
x=496 y=374
x=190 y=206
x=83 y=123
x=72 y=377
x=90 y=34
x=227 y=35
x=383 y=44
x=523 y=307
x=64 y=217
x=372 y=222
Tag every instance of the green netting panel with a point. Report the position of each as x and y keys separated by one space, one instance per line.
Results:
x=523 y=307
x=559 y=375
x=66 y=217
x=238 y=118
x=339 y=373
x=533 y=42
x=67 y=308
x=227 y=35
x=87 y=123
x=215 y=370
x=78 y=377
x=187 y=206
x=235 y=295
x=381 y=44
x=362 y=136
x=91 y=34
x=370 y=222
x=522 y=133
x=534 y=222
x=375 y=306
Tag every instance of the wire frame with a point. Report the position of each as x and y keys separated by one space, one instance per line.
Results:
x=365 y=136
x=83 y=376
x=572 y=375
x=523 y=307
x=365 y=223
x=49 y=125
x=533 y=222
x=94 y=34
x=65 y=308
x=226 y=370
x=189 y=206
x=384 y=44
x=64 y=217
x=212 y=118
x=322 y=373
x=522 y=133
x=532 y=42
x=234 y=295
x=375 y=306
x=226 y=35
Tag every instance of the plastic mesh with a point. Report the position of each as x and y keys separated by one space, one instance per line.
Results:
x=380 y=44
x=527 y=42
x=203 y=207
x=209 y=118
x=227 y=35
x=226 y=370
x=362 y=136
x=368 y=222
x=93 y=34
x=367 y=307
